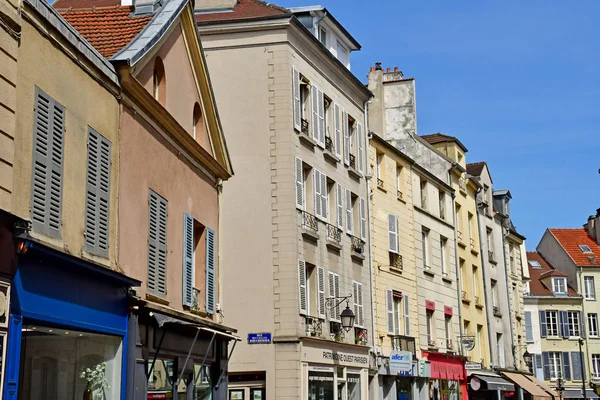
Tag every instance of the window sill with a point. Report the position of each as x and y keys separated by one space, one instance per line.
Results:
x=381 y=188
x=461 y=243
x=395 y=270
x=466 y=301
x=307 y=140
x=446 y=279
x=428 y=271
x=156 y=299
x=463 y=191
x=354 y=173
x=329 y=156
x=479 y=306
x=474 y=252
x=494 y=262
x=358 y=257
x=333 y=245
x=310 y=235
x=553 y=338
x=590 y=299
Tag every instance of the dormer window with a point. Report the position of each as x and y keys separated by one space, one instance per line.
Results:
x=585 y=248
x=323 y=36
x=559 y=285
x=342 y=53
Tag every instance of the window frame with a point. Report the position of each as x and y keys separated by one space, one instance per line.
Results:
x=573 y=323
x=590 y=290
x=552 y=331
x=592 y=317
x=556 y=368
x=556 y=285
x=595 y=365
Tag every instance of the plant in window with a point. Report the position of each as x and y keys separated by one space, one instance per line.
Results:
x=96 y=381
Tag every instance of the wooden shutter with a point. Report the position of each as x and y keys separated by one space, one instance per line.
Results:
x=188 y=259
x=581 y=324
x=363 y=219
x=297 y=101
x=576 y=365
x=349 y=217
x=321 y=292
x=336 y=279
x=393 y=233
x=157 y=244
x=317 y=185
x=340 y=206
x=528 y=327
x=543 y=327
x=360 y=149
x=303 y=287
x=355 y=302
x=566 y=366
x=346 y=133
x=361 y=315
x=406 y=316
x=389 y=304
x=324 y=200
x=564 y=324
x=314 y=94
x=539 y=373
x=338 y=131
x=546 y=361
x=321 y=104
x=47 y=171
x=331 y=279
x=299 y=184
x=97 y=194
x=211 y=280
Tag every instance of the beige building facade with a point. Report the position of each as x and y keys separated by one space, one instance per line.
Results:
x=297 y=133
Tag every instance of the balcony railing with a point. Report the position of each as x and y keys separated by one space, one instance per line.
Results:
x=352 y=161
x=379 y=183
x=442 y=211
x=497 y=312
x=431 y=342
x=396 y=260
x=472 y=241
x=336 y=332
x=329 y=144
x=195 y=300
x=477 y=300
x=459 y=234
x=399 y=195
x=305 y=126
x=465 y=295
x=490 y=255
x=404 y=343
x=314 y=326
x=358 y=246
x=423 y=201
x=334 y=233
x=309 y=222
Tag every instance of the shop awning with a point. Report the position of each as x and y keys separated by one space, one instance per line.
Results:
x=526 y=384
x=496 y=383
x=162 y=319
x=541 y=384
x=576 y=394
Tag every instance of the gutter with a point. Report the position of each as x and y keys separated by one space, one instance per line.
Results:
x=458 y=294
x=512 y=333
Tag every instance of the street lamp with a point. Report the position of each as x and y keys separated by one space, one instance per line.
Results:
x=527 y=358
x=347 y=317
x=560 y=387
x=580 y=341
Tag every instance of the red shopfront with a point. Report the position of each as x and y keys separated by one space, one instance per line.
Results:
x=447 y=379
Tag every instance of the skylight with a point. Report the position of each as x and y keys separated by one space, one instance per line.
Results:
x=585 y=248
x=535 y=264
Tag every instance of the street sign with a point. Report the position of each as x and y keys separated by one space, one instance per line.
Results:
x=400 y=361
x=472 y=366
x=468 y=342
x=259 y=338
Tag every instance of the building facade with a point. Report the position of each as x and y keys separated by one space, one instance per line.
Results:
x=298 y=136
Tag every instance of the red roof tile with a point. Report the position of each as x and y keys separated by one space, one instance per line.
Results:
x=108 y=29
x=537 y=275
x=475 y=168
x=570 y=239
x=244 y=9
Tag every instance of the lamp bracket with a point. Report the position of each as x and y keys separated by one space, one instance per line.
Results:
x=333 y=302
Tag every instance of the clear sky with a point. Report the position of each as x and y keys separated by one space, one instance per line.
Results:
x=515 y=81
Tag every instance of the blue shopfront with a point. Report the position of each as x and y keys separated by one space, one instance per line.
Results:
x=67 y=335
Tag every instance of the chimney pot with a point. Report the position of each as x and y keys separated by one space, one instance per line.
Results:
x=389 y=70
x=378 y=66
x=372 y=68
x=395 y=69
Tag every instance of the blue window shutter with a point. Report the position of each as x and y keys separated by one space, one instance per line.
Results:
x=564 y=322
x=188 y=259
x=528 y=327
x=582 y=324
x=539 y=367
x=157 y=244
x=543 y=327
x=576 y=364
x=546 y=359
x=566 y=366
x=210 y=272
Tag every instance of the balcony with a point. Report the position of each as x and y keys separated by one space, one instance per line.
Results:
x=361 y=336
x=195 y=300
x=329 y=152
x=314 y=326
x=396 y=261
x=334 y=237
x=305 y=136
x=497 y=312
x=352 y=161
x=403 y=343
x=336 y=333
x=431 y=343
x=357 y=248
x=352 y=170
x=305 y=126
x=310 y=226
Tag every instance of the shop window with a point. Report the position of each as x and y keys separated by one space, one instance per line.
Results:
x=61 y=363
x=163 y=376
x=320 y=385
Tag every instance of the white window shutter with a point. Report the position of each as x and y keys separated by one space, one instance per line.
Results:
x=314 y=94
x=363 y=219
x=389 y=304
x=338 y=131
x=321 y=101
x=317 y=185
x=340 y=206
x=188 y=260
x=321 y=292
x=299 y=184
x=360 y=150
x=211 y=279
x=393 y=233
x=406 y=316
x=346 y=132
x=355 y=302
x=297 y=101
x=303 y=288
x=337 y=294
x=349 y=217
x=331 y=278
x=360 y=316
x=324 y=200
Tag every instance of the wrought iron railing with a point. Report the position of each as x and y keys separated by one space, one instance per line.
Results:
x=305 y=126
x=465 y=295
x=442 y=211
x=459 y=234
x=329 y=144
x=352 y=161
x=490 y=255
x=396 y=260
x=336 y=332
x=314 y=326
x=431 y=342
x=403 y=343
x=309 y=222
x=195 y=299
x=379 y=183
x=334 y=233
x=477 y=301
x=358 y=246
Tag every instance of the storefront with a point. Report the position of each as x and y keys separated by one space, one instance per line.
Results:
x=398 y=376
x=447 y=378
x=488 y=385
x=334 y=371
x=176 y=355
x=67 y=330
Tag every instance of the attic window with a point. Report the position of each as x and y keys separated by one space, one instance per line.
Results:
x=559 y=285
x=591 y=259
x=323 y=36
x=585 y=248
x=535 y=265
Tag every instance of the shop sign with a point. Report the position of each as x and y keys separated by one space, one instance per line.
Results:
x=259 y=338
x=345 y=357
x=472 y=366
x=400 y=361
x=424 y=369
x=468 y=342
x=475 y=383
x=447 y=370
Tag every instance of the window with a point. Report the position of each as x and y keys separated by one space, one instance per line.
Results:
x=573 y=321
x=535 y=265
x=559 y=285
x=500 y=350
x=157 y=244
x=302 y=98
x=593 y=324
x=470 y=222
x=479 y=343
x=399 y=181
x=314 y=296
x=300 y=187
x=527 y=289
x=342 y=53
x=448 y=331
x=423 y=187
x=590 y=289
x=334 y=291
x=398 y=317
x=475 y=284
x=596 y=365
x=159 y=82
x=198 y=251
x=349 y=212
x=425 y=237
x=357 y=299
x=198 y=128
x=323 y=36
x=321 y=206
x=318 y=115
x=398 y=313
x=443 y=256
x=442 y=204
x=47 y=174
x=511 y=252
x=490 y=244
x=430 y=328
x=379 y=161
x=494 y=293
x=458 y=223
x=97 y=199
x=555 y=365
x=552 y=323
x=393 y=233
x=585 y=248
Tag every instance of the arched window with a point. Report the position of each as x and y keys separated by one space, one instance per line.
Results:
x=197 y=128
x=159 y=82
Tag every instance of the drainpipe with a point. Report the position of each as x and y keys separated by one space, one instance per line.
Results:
x=485 y=293
x=587 y=350
x=317 y=22
x=512 y=334
x=456 y=263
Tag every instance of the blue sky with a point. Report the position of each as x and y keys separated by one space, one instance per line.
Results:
x=515 y=81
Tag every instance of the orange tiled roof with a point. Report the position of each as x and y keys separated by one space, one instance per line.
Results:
x=245 y=9
x=570 y=239
x=536 y=286
x=108 y=29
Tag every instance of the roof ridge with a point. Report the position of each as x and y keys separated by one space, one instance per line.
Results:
x=92 y=9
